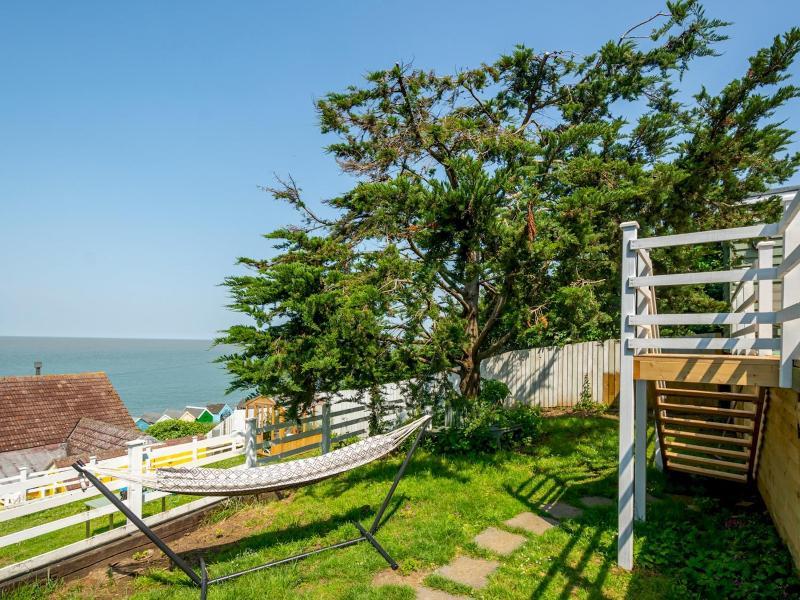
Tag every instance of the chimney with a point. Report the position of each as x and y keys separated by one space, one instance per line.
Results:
x=38 y=366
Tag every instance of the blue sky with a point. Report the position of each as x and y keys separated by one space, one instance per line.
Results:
x=133 y=136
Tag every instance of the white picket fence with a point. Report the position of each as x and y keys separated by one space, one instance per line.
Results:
x=27 y=494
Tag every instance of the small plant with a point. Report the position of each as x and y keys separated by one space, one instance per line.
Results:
x=586 y=404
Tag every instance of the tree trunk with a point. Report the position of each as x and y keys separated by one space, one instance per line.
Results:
x=470 y=364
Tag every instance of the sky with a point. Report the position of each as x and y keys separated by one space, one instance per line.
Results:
x=134 y=136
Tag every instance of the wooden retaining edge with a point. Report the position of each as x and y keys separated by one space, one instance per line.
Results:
x=74 y=560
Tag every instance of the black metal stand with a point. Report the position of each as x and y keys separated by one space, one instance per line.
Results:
x=202 y=580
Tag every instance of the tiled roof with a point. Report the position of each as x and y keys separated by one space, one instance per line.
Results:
x=97 y=437
x=40 y=410
x=215 y=409
x=172 y=413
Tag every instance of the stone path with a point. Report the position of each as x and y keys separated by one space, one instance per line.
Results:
x=475 y=572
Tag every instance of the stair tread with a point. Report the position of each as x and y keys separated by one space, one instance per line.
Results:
x=708 y=394
x=707 y=410
x=744 y=454
x=708 y=472
x=708 y=437
x=706 y=461
x=707 y=424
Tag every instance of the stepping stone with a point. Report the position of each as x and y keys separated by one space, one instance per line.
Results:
x=499 y=541
x=592 y=501
x=424 y=593
x=473 y=572
x=561 y=510
x=531 y=523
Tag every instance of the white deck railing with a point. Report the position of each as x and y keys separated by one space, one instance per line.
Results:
x=752 y=316
x=751 y=321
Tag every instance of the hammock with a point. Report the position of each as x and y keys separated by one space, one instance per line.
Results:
x=271 y=478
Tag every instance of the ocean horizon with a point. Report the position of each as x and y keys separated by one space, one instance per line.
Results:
x=150 y=375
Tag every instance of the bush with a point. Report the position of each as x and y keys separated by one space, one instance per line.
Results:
x=175 y=428
x=489 y=424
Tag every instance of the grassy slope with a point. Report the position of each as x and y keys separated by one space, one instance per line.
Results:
x=443 y=502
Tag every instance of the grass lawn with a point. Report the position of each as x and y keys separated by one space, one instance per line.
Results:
x=694 y=547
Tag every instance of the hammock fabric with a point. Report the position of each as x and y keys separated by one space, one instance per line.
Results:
x=271 y=478
x=281 y=476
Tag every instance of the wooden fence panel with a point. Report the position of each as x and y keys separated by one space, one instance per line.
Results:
x=555 y=375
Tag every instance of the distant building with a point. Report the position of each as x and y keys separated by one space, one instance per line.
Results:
x=47 y=418
x=170 y=414
x=197 y=413
x=146 y=420
x=220 y=411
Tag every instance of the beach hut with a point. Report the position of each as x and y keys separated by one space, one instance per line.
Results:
x=196 y=413
x=220 y=411
x=170 y=414
x=146 y=420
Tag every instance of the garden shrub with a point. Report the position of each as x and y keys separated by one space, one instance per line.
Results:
x=481 y=424
x=175 y=428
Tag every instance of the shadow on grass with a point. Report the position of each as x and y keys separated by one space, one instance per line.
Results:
x=254 y=545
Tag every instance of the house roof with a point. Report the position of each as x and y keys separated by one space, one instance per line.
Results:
x=35 y=459
x=91 y=436
x=40 y=410
x=172 y=413
x=149 y=417
x=216 y=408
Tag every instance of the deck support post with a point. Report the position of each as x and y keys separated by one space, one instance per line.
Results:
x=625 y=512
x=790 y=292
x=640 y=448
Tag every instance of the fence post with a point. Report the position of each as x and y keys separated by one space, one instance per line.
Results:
x=765 y=292
x=326 y=427
x=135 y=489
x=625 y=512
x=250 y=443
x=23 y=476
x=194 y=449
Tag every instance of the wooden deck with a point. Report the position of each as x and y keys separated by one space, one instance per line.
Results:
x=721 y=369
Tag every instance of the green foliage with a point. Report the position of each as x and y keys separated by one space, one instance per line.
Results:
x=486 y=427
x=732 y=553
x=175 y=428
x=586 y=404
x=494 y=392
x=484 y=214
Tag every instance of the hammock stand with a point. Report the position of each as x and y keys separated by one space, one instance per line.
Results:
x=202 y=579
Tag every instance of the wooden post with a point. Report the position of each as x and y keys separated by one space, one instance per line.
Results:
x=135 y=489
x=326 y=427
x=765 y=292
x=23 y=476
x=250 y=443
x=626 y=401
x=790 y=294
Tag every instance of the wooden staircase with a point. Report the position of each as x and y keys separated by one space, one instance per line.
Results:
x=709 y=433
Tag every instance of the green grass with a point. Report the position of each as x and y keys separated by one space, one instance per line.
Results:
x=443 y=502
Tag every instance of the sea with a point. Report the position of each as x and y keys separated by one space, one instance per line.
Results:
x=149 y=375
